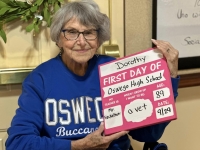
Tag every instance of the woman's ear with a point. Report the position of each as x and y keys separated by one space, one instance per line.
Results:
x=59 y=44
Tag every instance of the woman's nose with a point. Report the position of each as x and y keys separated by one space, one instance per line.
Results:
x=81 y=40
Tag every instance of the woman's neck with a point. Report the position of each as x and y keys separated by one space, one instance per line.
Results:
x=76 y=68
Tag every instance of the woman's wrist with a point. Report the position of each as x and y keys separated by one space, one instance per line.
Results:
x=78 y=145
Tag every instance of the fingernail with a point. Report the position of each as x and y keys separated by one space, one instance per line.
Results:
x=153 y=40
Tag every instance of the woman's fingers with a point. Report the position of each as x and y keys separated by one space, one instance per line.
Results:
x=170 y=53
x=96 y=140
x=101 y=128
x=117 y=135
x=164 y=46
x=112 y=136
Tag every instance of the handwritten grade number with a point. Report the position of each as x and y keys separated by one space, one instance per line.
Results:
x=160 y=94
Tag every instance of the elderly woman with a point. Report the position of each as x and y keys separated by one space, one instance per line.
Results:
x=60 y=105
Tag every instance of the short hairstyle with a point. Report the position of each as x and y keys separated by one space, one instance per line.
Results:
x=89 y=15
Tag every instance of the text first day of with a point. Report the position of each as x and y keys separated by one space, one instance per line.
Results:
x=132 y=73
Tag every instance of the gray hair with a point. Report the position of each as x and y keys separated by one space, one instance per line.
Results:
x=89 y=15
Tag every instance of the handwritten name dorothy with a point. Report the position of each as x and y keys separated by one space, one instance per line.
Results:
x=135 y=60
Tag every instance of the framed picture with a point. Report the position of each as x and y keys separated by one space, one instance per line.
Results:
x=177 y=21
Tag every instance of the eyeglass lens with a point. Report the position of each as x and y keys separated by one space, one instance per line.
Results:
x=74 y=34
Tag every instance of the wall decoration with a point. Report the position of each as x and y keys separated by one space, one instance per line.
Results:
x=177 y=21
x=33 y=12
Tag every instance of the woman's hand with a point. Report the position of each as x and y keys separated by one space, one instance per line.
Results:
x=96 y=140
x=170 y=53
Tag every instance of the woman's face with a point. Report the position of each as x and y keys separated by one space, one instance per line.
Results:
x=79 y=50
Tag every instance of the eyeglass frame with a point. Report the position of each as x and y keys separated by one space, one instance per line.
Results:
x=63 y=30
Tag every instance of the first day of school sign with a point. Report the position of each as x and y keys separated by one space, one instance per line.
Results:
x=136 y=91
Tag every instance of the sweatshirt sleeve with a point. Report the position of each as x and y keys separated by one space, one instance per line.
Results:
x=153 y=133
x=25 y=132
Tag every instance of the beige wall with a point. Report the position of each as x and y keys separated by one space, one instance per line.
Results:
x=183 y=133
x=8 y=104
x=137 y=25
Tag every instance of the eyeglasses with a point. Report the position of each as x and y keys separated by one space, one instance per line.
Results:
x=71 y=34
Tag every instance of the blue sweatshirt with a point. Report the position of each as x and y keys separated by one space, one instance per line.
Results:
x=57 y=106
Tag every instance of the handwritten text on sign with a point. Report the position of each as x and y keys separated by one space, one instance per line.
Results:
x=138 y=110
x=130 y=62
x=134 y=83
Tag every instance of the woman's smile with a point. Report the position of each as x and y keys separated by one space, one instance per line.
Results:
x=81 y=50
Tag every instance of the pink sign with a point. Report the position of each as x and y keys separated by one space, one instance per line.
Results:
x=136 y=91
